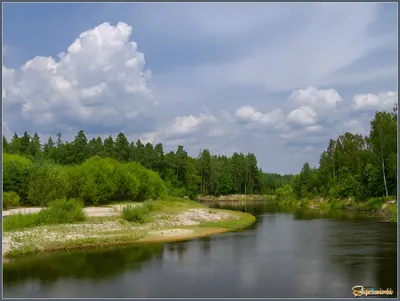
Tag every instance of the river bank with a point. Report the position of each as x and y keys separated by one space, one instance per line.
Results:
x=386 y=207
x=234 y=198
x=283 y=246
x=104 y=226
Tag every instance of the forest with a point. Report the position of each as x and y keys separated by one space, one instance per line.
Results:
x=351 y=166
x=27 y=160
x=354 y=166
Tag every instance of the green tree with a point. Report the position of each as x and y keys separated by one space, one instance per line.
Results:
x=34 y=148
x=383 y=141
x=121 y=147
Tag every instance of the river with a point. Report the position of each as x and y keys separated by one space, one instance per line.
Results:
x=286 y=253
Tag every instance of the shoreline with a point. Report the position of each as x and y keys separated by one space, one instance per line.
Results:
x=233 y=198
x=387 y=209
x=178 y=221
x=144 y=240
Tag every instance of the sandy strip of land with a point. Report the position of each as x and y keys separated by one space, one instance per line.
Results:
x=90 y=211
x=163 y=227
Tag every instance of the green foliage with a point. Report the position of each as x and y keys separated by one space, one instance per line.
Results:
x=10 y=199
x=20 y=221
x=285 y=194
x=375 y=204
x=47 y=183
x=99 y=181
x=58 y=212
x=16 y=175
x=99 y=171
x=138 y=213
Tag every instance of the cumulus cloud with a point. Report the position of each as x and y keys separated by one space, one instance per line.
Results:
x=321 y=99
x=380 y=101
x=186 y=125
x=98 y=83
x=250 y=114
x=304 y=115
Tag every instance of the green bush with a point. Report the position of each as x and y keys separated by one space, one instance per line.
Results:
x=100 y=181
x=375 y=204
x=62 y=211
x=151 y=185
x=285 y=194
x=97 y=181
x=127 y=183
x=59 y=212
x=47 y=184
x=20 y=221
x=10 y=199
x=16 y=175
x=80 y=184
x=102 y=173
x=138 y=214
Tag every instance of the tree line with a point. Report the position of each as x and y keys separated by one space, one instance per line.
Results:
x=206 y=174
x=354 y=166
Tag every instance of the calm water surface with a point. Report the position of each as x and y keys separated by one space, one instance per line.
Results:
x=286 y=253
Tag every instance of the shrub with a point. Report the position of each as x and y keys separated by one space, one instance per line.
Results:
x=151 y=186
x=137 y=214
x=47 y=184
x=16 y=174
x=20 y=221
x=59 y=212
x=102 y=173
x=285 y=194
x=62 y=211
x=375 y=204
x=80 y=184
x=10 y=199
x=127 y=183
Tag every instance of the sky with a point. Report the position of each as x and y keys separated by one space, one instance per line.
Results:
x=275 y=79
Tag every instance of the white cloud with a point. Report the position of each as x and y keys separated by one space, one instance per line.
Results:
x=99 y=82
x=314 y=128
x=250 y=114
x=304 y=115
x=321 y=99
x=380 y=101
x=186 y=125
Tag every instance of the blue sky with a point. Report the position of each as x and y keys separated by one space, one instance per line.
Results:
x=275 y=79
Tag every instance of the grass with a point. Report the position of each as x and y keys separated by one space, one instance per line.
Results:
x=140 y=214
x=373 y=205
x=58 y=212
x=240 y=221
x=236 y=198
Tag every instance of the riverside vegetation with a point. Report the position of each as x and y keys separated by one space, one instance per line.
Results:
x=354 y=172
x=147 y=213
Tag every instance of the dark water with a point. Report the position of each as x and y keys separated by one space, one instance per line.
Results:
x=286 y=253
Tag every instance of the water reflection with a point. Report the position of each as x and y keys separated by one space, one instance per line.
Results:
x=286 y=253
x=97 y=265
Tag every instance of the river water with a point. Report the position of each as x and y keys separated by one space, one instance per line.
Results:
x=286 y=253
